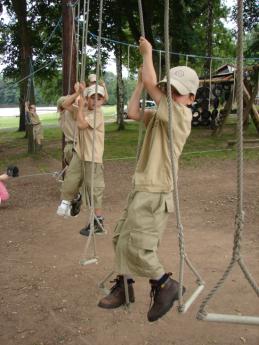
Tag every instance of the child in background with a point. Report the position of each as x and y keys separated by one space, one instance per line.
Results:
x=34 y=120
x=12 y=171
x=92 y=81
x=4 y=195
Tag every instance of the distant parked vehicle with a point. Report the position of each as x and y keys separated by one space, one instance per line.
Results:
x=149 y=104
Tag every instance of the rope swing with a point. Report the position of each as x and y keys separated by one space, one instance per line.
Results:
x=141 y=122
x=94 y=258
x=239 y=219
x=182 y=307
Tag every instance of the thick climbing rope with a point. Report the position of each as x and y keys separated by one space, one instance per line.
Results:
x=141 y=123
x=183 y=256
x=210 y=72
x=160 y=66
x=84 y=38
x=71 y=49
x=239 y=219
x=92 y=206
x=77 y=41
x=186 y=60
x=28 y=93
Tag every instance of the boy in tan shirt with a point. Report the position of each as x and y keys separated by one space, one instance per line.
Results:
x=79 y=170
x=138 y=233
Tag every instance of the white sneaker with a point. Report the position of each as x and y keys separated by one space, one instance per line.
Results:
x=64 y=209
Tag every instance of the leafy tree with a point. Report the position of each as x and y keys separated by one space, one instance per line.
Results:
x=250 y=14
x=22 y=41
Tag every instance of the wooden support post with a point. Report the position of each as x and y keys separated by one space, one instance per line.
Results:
x=252 y=108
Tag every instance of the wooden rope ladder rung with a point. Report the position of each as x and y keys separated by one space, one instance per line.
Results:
x=236 y=254
x=182 y=306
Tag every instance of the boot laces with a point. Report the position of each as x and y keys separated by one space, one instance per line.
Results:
x=156 y=287
x=117 y=284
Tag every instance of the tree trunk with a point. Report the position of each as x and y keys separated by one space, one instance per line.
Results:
x=69 y=67
x=209 y=39
x=25 y=54
x=120 y=88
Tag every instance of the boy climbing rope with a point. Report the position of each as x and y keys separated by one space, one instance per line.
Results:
x=139 y=231
x=79 y=170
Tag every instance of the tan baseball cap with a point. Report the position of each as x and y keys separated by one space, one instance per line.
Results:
x=92 y=78
x=184 y=79
x=91 y=90
x=60 y=101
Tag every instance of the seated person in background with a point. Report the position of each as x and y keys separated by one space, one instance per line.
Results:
x=32 y=118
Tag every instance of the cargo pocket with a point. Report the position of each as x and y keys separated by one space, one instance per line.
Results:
x=142 y=253
x=169 y=203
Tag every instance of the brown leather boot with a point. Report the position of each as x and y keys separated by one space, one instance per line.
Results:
x=163 y=294
x=117 y=297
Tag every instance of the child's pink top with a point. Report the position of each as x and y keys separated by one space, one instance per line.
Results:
x=4 y=195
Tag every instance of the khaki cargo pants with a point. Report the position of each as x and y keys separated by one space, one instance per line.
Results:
x=79 y=173
x=138 y=233
x=68 y=152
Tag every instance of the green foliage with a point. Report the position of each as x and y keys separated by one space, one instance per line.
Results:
x=252 y=43
x=250 y=14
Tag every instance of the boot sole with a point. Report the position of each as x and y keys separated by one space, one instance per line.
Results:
x=96 y=233
x=109 y=306
x=175 y=298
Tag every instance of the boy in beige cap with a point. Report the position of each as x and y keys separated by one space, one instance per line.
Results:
x=139 y=231
x=79 y=170
x=92 y=81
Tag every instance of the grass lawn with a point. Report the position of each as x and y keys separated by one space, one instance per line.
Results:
x=51 y=119
x=123 y=144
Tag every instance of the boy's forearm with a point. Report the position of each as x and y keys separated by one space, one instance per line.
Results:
x=150 y=79
x=80 y=120
x=133 y=106
x=70 y=100
x=148 y=71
